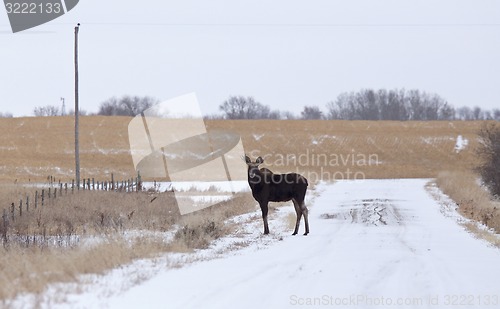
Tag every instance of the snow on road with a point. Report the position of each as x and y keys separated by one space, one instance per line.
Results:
x=373 y=244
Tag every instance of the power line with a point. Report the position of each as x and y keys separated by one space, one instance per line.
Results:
x=283 y=25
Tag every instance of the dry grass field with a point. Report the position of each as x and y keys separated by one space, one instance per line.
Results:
x=33 y=148
x=91 y=232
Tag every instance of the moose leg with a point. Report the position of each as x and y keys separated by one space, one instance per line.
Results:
x=298 y=211
x=305 y=211
x=264 y=208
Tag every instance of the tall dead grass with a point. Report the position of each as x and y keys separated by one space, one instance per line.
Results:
x=89 y=213
x=90 y=232
x=31 y=270
x=200 y=228
x=473 y=201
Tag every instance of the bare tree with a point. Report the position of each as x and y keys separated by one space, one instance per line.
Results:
x=447 y=112
x=274 y=114
x=342 y=107
x=240 y=107
x=49 y=110
x=496 y=114
x=465 y=113
x=6 y=115
x=367 y=108
x=311 y=113
x=489 y=154
x=288 y=115
x=477 y=113
x=126 y=105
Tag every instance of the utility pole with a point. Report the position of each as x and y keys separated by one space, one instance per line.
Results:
x=77 y=111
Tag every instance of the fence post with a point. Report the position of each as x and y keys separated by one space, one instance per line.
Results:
x=27 y=203
x=21 y=208
x=60 y=188
x=112 y=182
x=13 y=212
x=66 y=188
x=55 y=193
x=4 y=217
x=48 y=195
x=36 y=199
x=139 y=181
x=93 y=184
x=4 y=230
x=43 y=197
x=72 y=186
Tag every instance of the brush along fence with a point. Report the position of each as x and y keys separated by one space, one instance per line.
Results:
x=55 y=189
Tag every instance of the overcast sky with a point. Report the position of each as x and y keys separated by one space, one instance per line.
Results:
x=284 y=53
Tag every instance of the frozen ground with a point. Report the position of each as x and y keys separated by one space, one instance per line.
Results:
x=373 y=244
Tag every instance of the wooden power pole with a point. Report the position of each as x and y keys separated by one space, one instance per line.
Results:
x=77 y=111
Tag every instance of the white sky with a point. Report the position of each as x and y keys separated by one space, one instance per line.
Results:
x=285 y=53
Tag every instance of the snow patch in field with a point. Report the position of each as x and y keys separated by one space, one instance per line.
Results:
x=209 y=199
x=435 y=140
x=257 y=137
x=461 y=144
x=322 y=138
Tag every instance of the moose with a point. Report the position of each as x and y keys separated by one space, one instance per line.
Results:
x=269 y=187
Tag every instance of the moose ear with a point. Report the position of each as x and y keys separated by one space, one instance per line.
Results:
x=259 y=160
x=247 y=160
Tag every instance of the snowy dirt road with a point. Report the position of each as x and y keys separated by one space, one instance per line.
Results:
x=373 y=244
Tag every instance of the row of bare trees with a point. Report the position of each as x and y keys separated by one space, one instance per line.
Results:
x=123 y=106
x=52 y=110
x=365 y=104
x=382 y=104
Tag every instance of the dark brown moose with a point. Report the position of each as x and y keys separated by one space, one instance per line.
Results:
x=269 y=187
